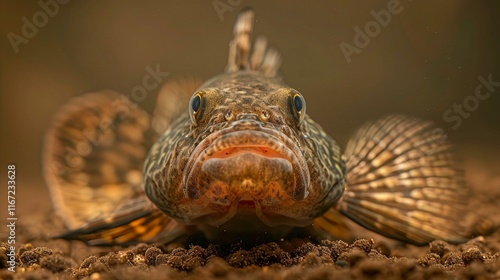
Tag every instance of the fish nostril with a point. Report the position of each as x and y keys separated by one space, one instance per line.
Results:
x=229 y=116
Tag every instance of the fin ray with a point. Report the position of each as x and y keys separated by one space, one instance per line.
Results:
x=263 y=59
x=404 y=182
x=141 y=223
x=93 y=155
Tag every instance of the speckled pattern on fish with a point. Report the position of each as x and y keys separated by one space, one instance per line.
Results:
x=238 y=159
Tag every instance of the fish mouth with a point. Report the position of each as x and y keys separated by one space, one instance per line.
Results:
x=252 y=171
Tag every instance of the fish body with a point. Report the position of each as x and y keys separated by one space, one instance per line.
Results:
x=248 y=150
x=243 y=161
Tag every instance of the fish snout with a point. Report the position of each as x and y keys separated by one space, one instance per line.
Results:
x=249 y=177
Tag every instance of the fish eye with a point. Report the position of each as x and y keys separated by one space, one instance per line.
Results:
x=297 y=101
x=195 y=103
x=195 y=107
x=299 y=106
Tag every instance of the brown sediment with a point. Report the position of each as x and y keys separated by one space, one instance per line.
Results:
x=42 y=258
x=327 y=260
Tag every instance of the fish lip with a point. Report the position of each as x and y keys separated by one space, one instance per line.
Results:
x=250 y=136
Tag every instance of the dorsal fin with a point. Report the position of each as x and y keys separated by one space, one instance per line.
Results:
x=263 y=59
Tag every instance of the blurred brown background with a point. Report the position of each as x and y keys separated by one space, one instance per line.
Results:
x=426 y=59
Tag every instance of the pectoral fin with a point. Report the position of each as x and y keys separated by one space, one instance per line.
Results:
x=141 y=222
x=404 y=182
x=93 y=155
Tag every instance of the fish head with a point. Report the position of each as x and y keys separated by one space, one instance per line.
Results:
x=245 y=146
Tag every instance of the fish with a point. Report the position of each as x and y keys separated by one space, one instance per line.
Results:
x=238 y=159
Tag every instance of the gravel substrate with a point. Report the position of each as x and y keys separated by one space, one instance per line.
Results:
x=39 y=257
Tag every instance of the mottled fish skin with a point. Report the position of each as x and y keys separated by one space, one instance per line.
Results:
x=244 y=103
x=244 y=162
x=247 y=110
